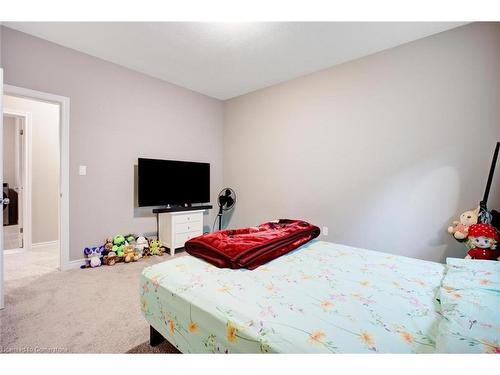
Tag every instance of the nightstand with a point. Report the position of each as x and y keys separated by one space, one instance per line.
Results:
x=176 y=227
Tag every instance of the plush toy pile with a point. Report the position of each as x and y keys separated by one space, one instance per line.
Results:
x=122 y=248
x=480 y=238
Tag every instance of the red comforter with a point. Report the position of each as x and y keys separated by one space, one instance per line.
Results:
x=251 y=247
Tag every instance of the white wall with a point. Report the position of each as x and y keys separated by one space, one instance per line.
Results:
x=45 y=166
x=116 y=116
x=384 y=150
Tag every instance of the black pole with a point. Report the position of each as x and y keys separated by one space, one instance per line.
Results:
x=220 y=217
x=484 y=202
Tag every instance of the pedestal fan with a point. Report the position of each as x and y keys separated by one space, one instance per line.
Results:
x=486 y=216
x=226 y=201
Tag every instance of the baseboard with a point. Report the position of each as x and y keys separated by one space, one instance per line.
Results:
x=45 y=245
x=13 y=251
x=74 y=264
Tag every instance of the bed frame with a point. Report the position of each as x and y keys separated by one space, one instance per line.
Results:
x=155 y=337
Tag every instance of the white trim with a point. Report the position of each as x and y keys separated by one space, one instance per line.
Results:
x=14 y=251
x=48 y=244
x=74 y=264
x=64 y=103
x=27 y=223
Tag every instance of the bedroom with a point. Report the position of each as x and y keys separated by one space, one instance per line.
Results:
x=378 y=134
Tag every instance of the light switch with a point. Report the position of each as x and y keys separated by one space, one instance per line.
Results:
x=82 y=171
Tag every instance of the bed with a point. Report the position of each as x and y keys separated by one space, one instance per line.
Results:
x=325 y=298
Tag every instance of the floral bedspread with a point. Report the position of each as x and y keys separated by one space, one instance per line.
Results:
x=320 y=298
x=470 y=305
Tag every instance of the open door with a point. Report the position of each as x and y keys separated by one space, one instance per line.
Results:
x=2 y=301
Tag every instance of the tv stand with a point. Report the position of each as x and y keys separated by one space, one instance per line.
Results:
x=177 y=225
x=180 y=208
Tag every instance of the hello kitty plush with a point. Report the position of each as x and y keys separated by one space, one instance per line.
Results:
x=460 y=229
x=483 y=239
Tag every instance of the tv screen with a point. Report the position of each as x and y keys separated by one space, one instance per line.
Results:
x=163 y=182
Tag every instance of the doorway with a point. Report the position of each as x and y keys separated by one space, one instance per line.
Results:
x=64 y=103
x=16 y=181
x=31 y=183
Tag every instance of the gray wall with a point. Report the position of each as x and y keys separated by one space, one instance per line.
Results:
x=384 y=150
x=116 y=116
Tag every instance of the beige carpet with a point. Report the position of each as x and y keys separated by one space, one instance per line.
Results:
x=38 y=262
x=78 y=311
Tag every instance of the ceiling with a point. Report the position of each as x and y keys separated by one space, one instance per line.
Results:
x=224 y=60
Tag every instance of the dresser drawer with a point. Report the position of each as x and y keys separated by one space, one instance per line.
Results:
x=188 y=218
x=182 y=238
x=196 y=226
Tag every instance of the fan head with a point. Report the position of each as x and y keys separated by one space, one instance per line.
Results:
x=226 y=199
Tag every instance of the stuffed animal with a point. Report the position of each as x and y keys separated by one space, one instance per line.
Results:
x=110 y=259
x=155 y=247
x=138 y=253
x=93 y=255
x=129 y=254
x=483 y=239
x=141 y=244
x=118 y=245
x=108 y=245
x=460 y=229
x=130 y=238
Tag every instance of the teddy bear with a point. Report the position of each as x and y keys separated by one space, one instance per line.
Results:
x=108 y=244
x=129 y=254
x=460 y=229
x=483 y=240
x=110 y=259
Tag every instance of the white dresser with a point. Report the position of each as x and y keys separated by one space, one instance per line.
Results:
x=175 y=228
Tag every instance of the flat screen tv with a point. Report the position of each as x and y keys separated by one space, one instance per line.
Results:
x=172 y=182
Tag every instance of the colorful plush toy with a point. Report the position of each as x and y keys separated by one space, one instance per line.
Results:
x=110 y=259
x=483 y=239
x=118 y=245
x=130 y=238
x=93 y=255
x=141 y=244
x=129 y=254
x=460 y=229
x=108 y=244
x=138 y=253
x=155 y=247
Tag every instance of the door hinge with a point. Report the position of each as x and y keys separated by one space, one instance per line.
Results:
x=21 y=131
x=21 y=230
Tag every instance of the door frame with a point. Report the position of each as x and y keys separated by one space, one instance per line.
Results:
x=27 y=173
x=64 y=123
x=2 y=299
